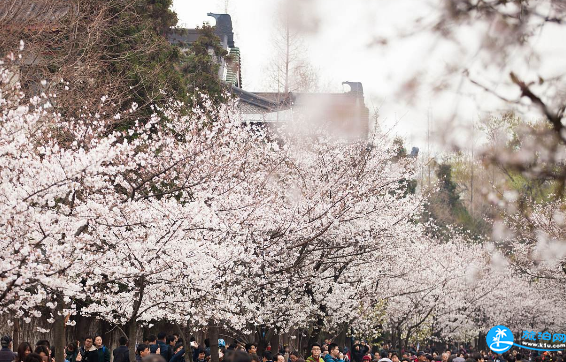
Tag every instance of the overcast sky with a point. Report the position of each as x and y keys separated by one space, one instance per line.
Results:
x=340 y=37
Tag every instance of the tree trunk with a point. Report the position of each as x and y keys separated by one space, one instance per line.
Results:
x=274 y=341
x=185 y=334
x=261 y=340
x=132 y=335
x=406 y=341
x=315 y=334
x=16 y=338
x=213 y=340
x=288 y=49
x=59 y=333
x=341 y=338
x=104 y=333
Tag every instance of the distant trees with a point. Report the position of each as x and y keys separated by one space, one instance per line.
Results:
x=446 y=209
x=522 y=201
x=289 y=70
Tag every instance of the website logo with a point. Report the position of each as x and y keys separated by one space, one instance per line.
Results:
x=499 y=339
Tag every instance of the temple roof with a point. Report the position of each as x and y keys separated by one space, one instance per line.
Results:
x=224 y=27
x=255 y=100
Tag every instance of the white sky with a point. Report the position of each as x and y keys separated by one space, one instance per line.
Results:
x=339 y=49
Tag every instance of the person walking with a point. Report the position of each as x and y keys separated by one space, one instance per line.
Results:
x=359 y=350
x=103 y=353
x=315 y=354
x=333 y=354
x=142 y=350
x=87 y=353
x=153 y=345
x=23 y=350
x=6 y=353
x=72 y=351
x=164 y=348
x=121 y=354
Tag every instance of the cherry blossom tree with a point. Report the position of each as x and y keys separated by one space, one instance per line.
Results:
x=201 y=220
x=108 y=219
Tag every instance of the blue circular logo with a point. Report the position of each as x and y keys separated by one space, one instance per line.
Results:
x=499 y=339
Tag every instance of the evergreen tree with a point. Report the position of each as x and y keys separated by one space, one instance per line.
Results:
x=203 y=63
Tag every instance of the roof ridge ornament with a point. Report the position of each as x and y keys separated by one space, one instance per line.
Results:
x=356 y=88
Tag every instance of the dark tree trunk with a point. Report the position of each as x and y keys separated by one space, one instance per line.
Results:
x=59 y=333
x=406 y=341
x=105 y=334
x=213 y=340
x=274 y=341
x=315 y=335
x=261 y=340
x=305 y=350
x=132 y=328
x=185 y=334
x=16 y=338
x=341 y=338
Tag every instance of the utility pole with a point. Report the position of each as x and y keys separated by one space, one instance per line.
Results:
x=472 y=171
x=287 y=49
x=428 y=143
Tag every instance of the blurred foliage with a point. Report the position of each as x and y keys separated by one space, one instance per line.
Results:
x=446 y=209
x=510 y=135
x=465 y=185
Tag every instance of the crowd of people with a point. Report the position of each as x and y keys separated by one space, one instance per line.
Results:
x=170 y=348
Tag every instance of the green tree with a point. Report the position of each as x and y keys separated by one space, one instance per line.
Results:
x=202 y=67
x=446 y=209
x=137 y=52
x=111 y=49
x=400 y=155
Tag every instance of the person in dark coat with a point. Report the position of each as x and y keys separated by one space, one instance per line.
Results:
x=359 y=350
x=87 y=353
x=103 y=353
x=122 y=354
x=164 y=348
x=153 y=346
x=72 y=351
x=141 y=351
x=6 y=353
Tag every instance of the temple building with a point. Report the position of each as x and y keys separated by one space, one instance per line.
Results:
x=345 y=113
x=229 y=70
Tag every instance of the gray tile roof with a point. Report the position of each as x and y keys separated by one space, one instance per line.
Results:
x=276 y=97
x=254 y=100
x=183 y=37
x=186 y=37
